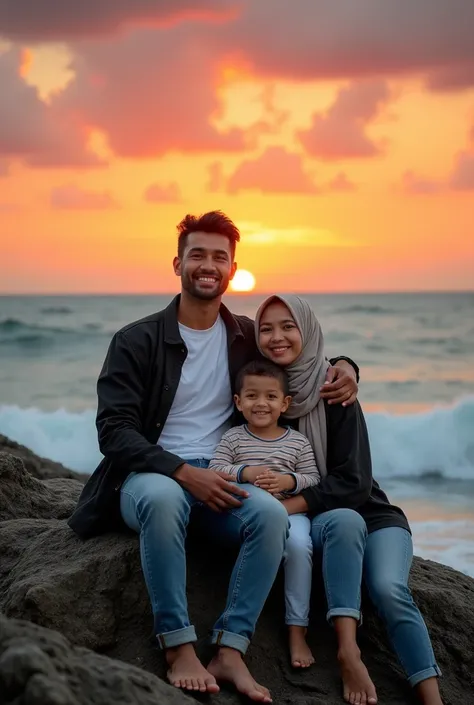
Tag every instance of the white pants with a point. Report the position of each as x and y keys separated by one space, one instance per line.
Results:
x=298 y=563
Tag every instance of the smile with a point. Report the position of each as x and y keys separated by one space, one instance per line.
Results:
x=207 y=280
x=280 y=349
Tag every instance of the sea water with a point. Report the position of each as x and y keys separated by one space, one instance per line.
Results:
x=415 y=351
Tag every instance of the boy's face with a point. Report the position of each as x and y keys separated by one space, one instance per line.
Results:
x=262 y=400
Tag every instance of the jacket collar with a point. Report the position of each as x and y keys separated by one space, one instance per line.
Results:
x=172 y=335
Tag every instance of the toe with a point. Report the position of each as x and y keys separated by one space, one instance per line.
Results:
x=195 y=683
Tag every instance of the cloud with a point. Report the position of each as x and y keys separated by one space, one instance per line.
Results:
x=157 y=193
x=340 y=184
x=450 y=79
x=151 y=92
x=462 y=177
x=340 y=132
x=71 y=197
x=31 y=130
x=50 y=20
x=419 y=185
x=274 y=171
x=312 y=39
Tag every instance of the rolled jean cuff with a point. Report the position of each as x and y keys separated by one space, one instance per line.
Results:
x=344 y=612
x=296 y=622
x=233 y=641
x=169 y=640
x=432 y=672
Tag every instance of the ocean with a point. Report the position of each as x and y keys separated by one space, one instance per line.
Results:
x=415 y=351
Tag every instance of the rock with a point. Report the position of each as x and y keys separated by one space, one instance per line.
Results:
x=93 y=593
x=41 y=667
x=42 y=468
x=22 y=495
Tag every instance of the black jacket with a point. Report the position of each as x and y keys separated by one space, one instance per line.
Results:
x=349 y=482
x=136 y=388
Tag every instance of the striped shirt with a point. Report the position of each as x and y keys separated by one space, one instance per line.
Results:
x=290 y=453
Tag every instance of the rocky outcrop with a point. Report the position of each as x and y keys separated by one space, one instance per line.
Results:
x=93 y=593
x=41 y=667
x=42 y=468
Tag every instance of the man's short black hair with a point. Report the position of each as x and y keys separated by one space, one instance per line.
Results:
x=262 y=368
x=212 y=222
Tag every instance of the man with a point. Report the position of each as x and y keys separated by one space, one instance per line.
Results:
x=169 y=378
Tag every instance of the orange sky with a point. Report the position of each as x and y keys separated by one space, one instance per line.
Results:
x=346 y=169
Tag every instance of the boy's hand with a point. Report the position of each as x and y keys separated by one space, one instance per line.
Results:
x=275 y=482
x=251 y=472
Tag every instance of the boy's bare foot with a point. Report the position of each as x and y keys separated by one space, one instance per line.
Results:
x=186 y=671
x=228 y=665
x=301 y=656
x=358 y=686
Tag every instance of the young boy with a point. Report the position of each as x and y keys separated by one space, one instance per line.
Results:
x=281 y=461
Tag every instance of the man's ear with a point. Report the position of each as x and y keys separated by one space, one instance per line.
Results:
x=237 y=402
x=177 y=266
x=233 y=270
x=286 y=404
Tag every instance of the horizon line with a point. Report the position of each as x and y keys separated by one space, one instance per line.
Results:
x=240 y=294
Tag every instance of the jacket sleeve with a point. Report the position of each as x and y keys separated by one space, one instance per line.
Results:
x=348 y=482
x=333 y=361
x=119 y=422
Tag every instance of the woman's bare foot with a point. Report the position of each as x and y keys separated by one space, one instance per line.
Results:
x=358 y=686
x=301 y=656
x=228 y=665
x=187 y=672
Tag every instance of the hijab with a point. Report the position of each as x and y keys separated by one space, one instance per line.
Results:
x=305 y=375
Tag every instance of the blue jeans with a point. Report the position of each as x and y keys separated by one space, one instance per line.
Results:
x=158 y=509
x=384 y=557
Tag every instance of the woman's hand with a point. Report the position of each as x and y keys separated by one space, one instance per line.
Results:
x=275 y=482
x=340 y=386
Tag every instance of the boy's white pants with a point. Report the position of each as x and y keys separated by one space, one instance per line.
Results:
x=298 y=564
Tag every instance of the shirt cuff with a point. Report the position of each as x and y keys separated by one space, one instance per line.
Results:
x=296 y=490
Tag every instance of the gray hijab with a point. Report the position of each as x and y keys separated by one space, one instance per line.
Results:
x=306 y=375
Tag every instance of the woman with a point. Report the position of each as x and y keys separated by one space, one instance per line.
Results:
x=353 y=523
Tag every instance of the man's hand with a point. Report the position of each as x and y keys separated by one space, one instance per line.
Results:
x=213 y=488
x=340 y=386
x=275 y=482
x=251 y=472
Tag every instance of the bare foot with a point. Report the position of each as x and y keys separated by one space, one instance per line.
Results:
x=186 y=671
x=301 y=656
x=358 y=687
x=228 y=665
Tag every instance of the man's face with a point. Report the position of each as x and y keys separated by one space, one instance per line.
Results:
x=206 y=267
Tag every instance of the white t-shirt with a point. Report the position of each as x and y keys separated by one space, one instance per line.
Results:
x=201 y=410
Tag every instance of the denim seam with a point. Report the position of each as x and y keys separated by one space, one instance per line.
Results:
x=233 y=599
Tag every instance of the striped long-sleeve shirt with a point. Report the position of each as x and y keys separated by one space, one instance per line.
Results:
x=290 y=453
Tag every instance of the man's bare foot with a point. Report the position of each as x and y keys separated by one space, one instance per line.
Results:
x=301 y=656
x=358 y=687
x=186 y=671
x=228 y=665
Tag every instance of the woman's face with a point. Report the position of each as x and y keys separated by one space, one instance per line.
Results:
x=279 y=337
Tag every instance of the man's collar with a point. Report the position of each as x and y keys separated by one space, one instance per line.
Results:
x=172 y=335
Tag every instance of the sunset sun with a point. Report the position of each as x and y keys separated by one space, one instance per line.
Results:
x=243 y=281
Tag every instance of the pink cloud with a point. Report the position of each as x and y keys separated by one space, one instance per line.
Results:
x=462 y=177
x=32 y=131
x=48 y=19
x=71 y=197
x=152 y=92
x=274 y=171
x=419 y=185
x=341 y=183
x=340 y=132
x=158 y=193
x=457 y=78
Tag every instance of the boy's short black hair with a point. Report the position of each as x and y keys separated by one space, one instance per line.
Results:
x=262 y=368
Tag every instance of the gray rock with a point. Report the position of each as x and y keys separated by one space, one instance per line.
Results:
x=42 y=468
x=41 y=667
x=93 y=593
